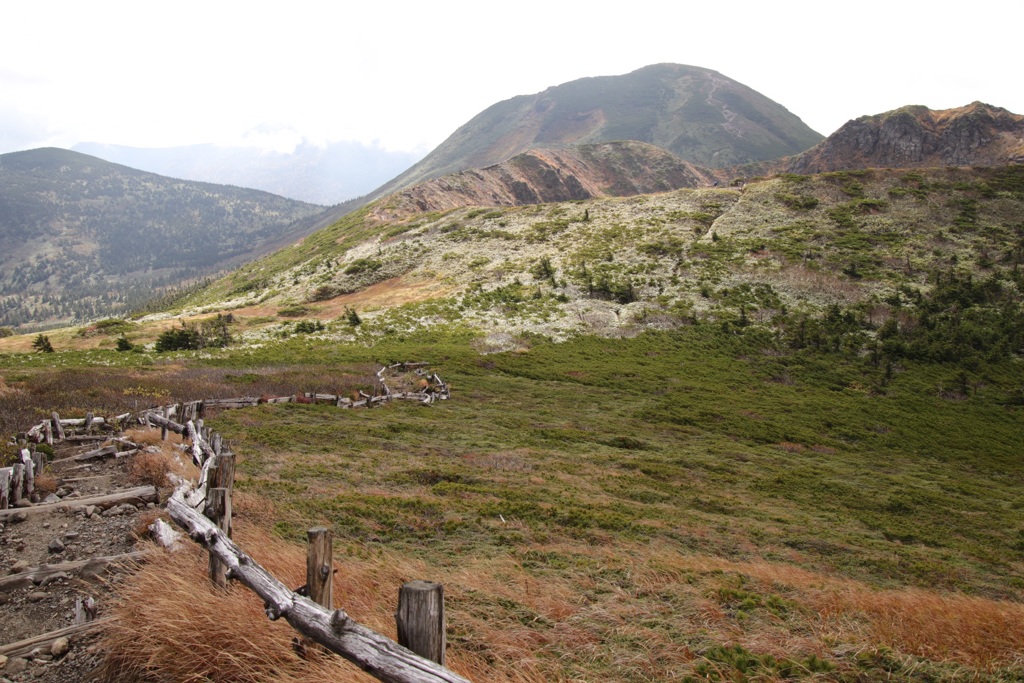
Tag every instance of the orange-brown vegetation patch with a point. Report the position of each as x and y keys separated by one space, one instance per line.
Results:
x=613 y=608
x=974 y=631
x=393 y=292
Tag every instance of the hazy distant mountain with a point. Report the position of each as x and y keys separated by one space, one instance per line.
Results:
x=320 y=175
x=81 y=237
x=610 y=169
x=697 y=114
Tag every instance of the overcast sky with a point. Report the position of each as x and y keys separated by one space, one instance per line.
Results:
x=405 y=75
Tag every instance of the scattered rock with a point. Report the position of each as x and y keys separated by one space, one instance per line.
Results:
x=52 y=498
x=55 y=546
x=71 y=535
x=23 y=503
x=36 y=596
x=60 y=647
x=16 y=665
x=89 y=509
x=56 y=576
x=19 y=566
x=19 y=516
x=3 y=661
x=4 y=599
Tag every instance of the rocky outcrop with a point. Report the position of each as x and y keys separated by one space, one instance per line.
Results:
x=914 y=137
x=615 y=169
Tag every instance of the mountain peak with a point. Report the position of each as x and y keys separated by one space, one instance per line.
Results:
x=695 y=113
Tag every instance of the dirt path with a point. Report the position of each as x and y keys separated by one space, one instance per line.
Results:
x=46 y=535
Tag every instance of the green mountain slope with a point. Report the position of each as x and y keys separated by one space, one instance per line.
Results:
x=81 y=237
x=875 y=248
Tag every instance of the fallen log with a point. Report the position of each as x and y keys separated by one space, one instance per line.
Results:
x=379 y=656
x=81 y=438
x=87 y=568
x=135 y=496
x=83 y=422
x=44 y=641
x=161 y=421
x=97 y=454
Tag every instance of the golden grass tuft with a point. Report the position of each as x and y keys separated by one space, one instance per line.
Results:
x=45 y=483
x=156 y=462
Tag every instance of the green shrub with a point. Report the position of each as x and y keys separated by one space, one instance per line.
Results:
x=308 y=326
x=363 y=265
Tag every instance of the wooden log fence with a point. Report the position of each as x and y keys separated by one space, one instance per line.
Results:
x=372 y=652
x=419 y=655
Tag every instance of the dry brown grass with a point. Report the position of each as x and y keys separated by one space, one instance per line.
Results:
x=45 y=484
x=173 y=626
x=972 y=631
x=510 y=623
x=156 y=462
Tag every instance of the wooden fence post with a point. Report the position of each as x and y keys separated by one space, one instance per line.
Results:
x=420 y=619
x=5 y=487
x=58 y=428
x=320 y=566
x=218 y=510
x=17 y=483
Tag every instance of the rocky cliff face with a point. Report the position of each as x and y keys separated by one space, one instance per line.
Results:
x=615 y=169
x=914 y=137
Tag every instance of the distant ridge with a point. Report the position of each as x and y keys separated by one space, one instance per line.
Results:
x=82 y=238
x=326 y=175
x=697 y=114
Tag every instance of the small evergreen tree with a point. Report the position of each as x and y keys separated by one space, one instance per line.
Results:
x=123 y=344
x=352 y=317
x=42 y=344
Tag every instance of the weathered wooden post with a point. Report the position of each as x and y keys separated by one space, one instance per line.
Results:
x=320 y=566
x=48 y=433
x=58 y=428
x=30 y=472
x=163 y=427
x=17 y=483
x=39 y=460
x=420 y=619
x=5 y=487
x=89 y=417
x=218 y=510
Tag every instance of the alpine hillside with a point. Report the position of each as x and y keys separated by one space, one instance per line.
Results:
x=81 y=237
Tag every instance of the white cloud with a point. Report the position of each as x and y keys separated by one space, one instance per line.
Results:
x=406 y=74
